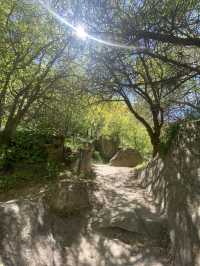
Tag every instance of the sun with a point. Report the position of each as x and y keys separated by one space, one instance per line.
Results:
x=81 y=33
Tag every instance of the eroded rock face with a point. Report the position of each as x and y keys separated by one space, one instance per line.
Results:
x=175 y=182
x=68 y=197
x=126 y=158
x=137 y=221
x=25 y=235
x=32 y=235
x=37 y=231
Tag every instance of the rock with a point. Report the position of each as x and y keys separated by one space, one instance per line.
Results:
x=67 y=197
x=32 y=231
x=126 y=158
x=130 y=209
x=30 y=235
x=85 y=160
x=107 y=147
x=55 y=150
x=24 y=234
x=174 y=180
x=35 y=231
x=136 y=221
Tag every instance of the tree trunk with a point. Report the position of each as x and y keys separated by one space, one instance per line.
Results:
x=155 y=141
x=7 y=133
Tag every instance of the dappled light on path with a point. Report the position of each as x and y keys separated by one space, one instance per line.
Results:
x=111 y=234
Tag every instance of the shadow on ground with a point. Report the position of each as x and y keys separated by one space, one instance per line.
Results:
x=31 y=234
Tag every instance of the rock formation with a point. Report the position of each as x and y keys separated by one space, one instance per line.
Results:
x=126 y=158
x=174 y=180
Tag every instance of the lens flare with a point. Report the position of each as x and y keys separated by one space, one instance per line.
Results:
x=82 y=34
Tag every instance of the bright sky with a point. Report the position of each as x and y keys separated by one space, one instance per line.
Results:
x=81 y=32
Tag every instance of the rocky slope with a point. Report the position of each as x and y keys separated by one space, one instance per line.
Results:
x=111 y=223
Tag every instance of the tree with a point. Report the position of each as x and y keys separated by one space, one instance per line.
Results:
x=113 y=120
x=169 y=28
x=35 y=54
x=166 y=21
x=63 y=112
x=119 y=75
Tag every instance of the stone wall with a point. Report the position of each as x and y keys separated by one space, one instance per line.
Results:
x=175 y=183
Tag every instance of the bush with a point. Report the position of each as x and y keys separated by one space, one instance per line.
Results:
x=26 y=146
x=52 y=168
x=97 y=157
x=23 y=174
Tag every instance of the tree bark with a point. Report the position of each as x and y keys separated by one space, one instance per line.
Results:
x=155 y=141
x=7 y=133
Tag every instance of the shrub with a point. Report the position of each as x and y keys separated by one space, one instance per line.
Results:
x=169 y=134
x=27 y=146
x=97 y=157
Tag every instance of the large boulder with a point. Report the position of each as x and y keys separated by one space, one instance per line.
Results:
x=138 y=220
x=68 y=197
x=126 y=158
x=39 y=228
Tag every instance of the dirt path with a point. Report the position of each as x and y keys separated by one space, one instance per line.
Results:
x=120 y=188
x=108 y=241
